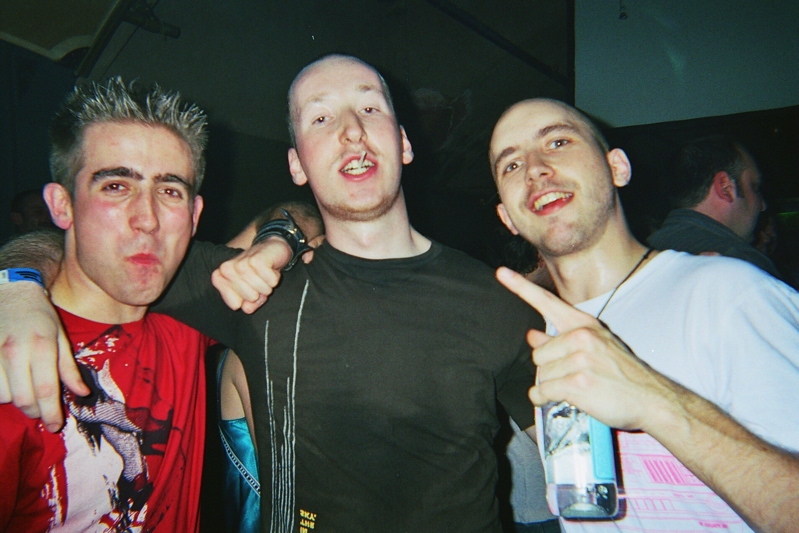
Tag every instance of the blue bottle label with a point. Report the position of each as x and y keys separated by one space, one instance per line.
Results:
x=601 y=451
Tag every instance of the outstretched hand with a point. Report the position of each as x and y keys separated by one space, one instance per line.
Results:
x=585 y=364
x=33 y=353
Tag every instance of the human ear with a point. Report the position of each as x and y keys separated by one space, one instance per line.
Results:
x=195 y=214
x=407 y=149
x=620 y=167
x=59 y=201
x=295 y=168
x=505 y=218
x=724 y=187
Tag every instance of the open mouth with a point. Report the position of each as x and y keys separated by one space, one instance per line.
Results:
x=549 y=198
x=357 y=167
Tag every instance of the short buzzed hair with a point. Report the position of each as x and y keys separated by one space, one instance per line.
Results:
x=698 y=161
x=593 y=129
x=292 y=112
x=117 y=101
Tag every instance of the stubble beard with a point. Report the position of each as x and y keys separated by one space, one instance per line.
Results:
x=563 y=238
x=348 y=213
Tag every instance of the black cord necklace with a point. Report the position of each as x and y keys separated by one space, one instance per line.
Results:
x=628 y=276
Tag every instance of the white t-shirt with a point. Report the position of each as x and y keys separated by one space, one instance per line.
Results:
x=730 y=333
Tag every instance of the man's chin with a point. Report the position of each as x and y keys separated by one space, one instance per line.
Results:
x=363 y=213
x=143 y=296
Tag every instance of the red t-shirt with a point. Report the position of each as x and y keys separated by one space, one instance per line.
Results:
x=130 y=455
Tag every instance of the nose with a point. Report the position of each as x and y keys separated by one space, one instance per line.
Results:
x=537 y=168
x=352 y=129
x=145 y=213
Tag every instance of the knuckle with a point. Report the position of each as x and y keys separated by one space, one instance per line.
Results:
x=581 y=380
x=27 y=405
x=45 y=391
x=584 y=335
x=227 y=268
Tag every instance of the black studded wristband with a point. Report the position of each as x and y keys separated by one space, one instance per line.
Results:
x=289 y=231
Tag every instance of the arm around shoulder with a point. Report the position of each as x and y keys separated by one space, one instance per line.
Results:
x=34 y=348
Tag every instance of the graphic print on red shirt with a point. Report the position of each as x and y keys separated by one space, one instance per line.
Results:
x=130 y=455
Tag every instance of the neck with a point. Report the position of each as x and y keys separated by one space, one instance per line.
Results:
x=710 y=209
x=78 y=295
x=389 y=236
x=588 y=273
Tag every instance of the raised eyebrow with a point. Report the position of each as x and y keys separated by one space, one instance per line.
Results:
x=116 y=172
x=125 y=172
x=555 y=128
x=368 y=87
x=173 y=178
x=318 y=99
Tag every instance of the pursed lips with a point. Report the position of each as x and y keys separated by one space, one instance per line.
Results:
x=144 y=259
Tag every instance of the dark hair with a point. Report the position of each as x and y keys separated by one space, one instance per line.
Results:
x=116 y=101
x=695 y=164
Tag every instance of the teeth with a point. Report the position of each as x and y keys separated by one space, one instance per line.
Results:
x=548 y=198
x=357 y=167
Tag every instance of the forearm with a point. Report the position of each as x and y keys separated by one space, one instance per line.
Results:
x=758 y=480
x=41 y=250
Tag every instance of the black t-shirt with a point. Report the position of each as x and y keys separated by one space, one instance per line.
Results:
x=374 y=386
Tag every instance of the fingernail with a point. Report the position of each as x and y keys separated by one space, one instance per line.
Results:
x=504 y=273
x=52 y=428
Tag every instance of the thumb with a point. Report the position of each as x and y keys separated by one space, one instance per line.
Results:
x=536 y=338
x=251 y=307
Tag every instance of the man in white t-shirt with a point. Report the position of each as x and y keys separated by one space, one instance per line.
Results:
x=695 y=360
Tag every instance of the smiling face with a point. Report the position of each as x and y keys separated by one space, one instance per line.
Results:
x=349 y=147
x=554 y=179
x=131 y=217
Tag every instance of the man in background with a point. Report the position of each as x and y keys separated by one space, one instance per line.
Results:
x=716 y=188
x=29 y=212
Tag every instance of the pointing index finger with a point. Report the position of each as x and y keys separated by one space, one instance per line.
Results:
x=562 y=316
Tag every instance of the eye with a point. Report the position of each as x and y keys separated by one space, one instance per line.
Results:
x=173 y=192
x=369 y=110
x=319 y=120
x=510 y=167
x=113 y=186
x=558 y=143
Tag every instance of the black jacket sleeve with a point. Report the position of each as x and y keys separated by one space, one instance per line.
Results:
x=192 y=299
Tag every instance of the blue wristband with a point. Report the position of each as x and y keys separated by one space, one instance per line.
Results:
x=21 y=274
